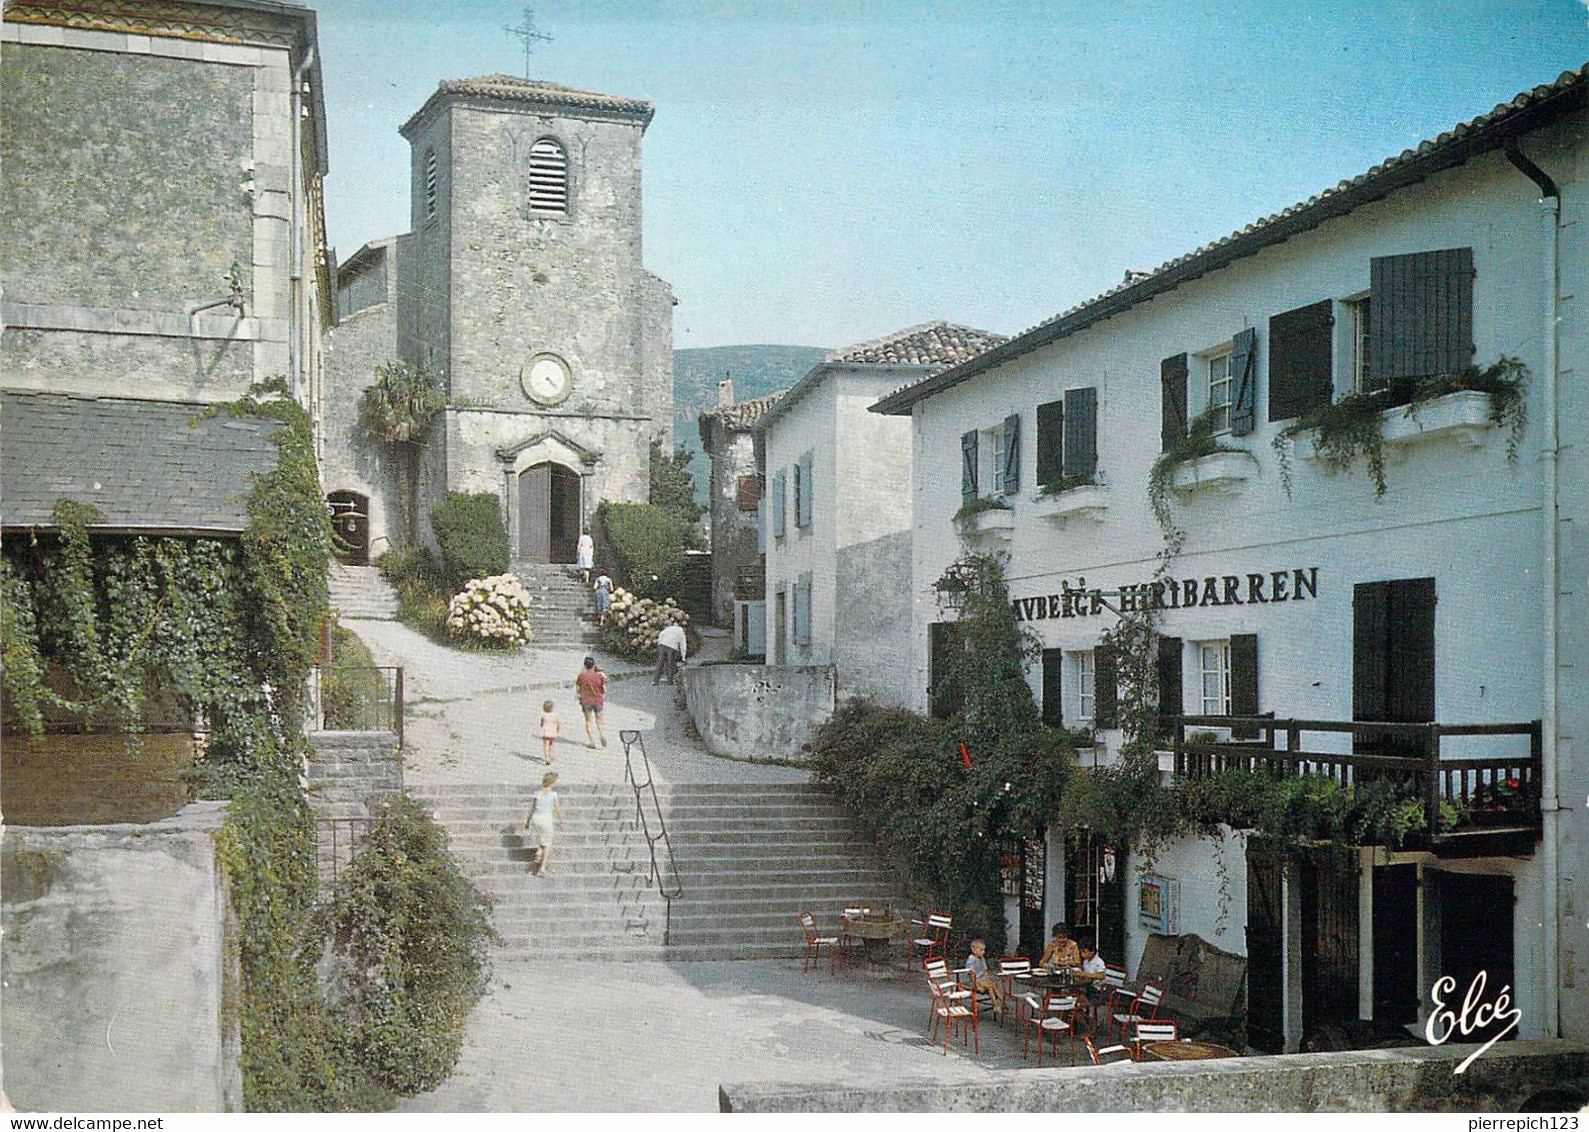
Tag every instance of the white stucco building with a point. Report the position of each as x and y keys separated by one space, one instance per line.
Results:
x=1457 y=598
x=837 y=509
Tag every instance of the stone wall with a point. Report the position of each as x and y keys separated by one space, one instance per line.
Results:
x=758 y=711
x=1394 y=1080
x=120 y=968
x=871 y=624
x=351 y=770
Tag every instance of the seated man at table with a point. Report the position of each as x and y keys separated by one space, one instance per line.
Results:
x=977 y=968
x=1092 y=964
x=1061 y=951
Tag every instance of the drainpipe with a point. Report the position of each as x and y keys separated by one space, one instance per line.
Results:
x=1550 y=803
x=296 y=351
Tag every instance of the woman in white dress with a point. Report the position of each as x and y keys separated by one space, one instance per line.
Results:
x=585 y=555
x=546 y=813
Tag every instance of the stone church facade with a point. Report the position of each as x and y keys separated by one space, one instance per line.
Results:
x=522 y=284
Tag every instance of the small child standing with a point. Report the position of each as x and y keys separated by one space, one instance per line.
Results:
x=551 y=727
x=546 y=813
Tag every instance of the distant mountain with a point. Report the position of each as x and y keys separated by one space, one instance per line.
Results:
x=756 y=371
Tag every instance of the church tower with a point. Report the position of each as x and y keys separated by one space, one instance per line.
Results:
x=528 y=294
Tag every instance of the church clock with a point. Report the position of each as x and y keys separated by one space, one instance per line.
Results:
x=546 y=379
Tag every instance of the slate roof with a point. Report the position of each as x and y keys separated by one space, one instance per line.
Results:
x=937 y=343
x=1529 y=110
x=737 y=417
x=139 y=462
x=537 y=92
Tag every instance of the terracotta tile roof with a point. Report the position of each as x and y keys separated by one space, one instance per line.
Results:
x=147 y=465
x=537 y=92
x=937 y=343
x=740 y=416
x=1529 y=110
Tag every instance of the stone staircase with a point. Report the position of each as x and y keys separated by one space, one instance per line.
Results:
x=361 y=592
x=750 y=857
x=562 y=608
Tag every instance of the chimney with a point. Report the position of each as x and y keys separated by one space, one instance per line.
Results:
x=725 y=391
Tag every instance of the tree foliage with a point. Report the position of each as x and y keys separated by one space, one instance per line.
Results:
x=672 y=486
x=471 y=537
x=399 y=410
x=647 y=542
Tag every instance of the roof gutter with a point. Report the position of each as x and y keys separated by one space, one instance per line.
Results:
x=1400 y=174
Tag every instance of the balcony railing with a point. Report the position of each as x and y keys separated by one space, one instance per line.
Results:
x=1494 y=792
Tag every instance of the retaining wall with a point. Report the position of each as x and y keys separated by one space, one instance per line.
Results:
x=120 y=968
x=1393 y=1080
x=758 y=710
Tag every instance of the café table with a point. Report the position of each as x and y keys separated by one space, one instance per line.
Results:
x=875 y=933
x=1187 y=1051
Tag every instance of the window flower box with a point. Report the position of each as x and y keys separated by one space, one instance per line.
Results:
x=1225 y=473
x=1086 y=502
x=1462 y=417
x=995 y=522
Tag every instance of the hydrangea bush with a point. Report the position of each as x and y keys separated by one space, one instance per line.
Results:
x=634 y=622
x=492 y=611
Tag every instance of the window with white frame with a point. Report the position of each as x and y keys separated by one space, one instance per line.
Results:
x=1085 y=687
x=1219 y=385
x=1362 y=370
x=1214 y=666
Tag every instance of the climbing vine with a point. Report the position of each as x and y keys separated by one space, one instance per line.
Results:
x=1198 y=442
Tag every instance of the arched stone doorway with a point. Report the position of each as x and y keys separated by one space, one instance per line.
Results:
x=549 y=513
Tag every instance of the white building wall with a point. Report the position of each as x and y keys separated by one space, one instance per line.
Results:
x=806 y=426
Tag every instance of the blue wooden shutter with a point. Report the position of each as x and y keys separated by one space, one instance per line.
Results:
x=1301 y=373
x=1420 y=317
x=1172 y=401
x=968 y=466
x=1050 y=442
x=1081 y=433
x=803 y=510
x=1244 y=382
x=1244 y=682
x=1010 y=474
x=799 y=493
x=802 y=610
x=761 y=526
x=779 y=505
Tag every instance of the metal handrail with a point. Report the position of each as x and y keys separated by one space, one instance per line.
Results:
x=631 y=740
x=382 y=711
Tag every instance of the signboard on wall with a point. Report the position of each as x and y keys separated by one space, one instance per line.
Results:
x=1158 y=904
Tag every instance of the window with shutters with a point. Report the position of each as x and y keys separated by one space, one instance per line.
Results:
x=1420 y=322
x=748 y=492
x=1219 y=387
x=432 y=187
x=1214 y=674
x=1079 y=461
x=548 y=177
x=1086 y=686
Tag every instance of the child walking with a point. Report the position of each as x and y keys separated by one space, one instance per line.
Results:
x=546 y=813
x=551 y=727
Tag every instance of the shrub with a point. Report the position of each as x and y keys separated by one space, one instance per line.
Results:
x=648 y=544
x=491 y=611
x=633 y=623
x=422 y=592
x=409 y=938
x=471 y=537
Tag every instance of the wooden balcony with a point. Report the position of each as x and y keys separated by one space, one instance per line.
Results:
x=1495 y=792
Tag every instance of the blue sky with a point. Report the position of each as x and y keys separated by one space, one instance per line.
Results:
x=821 y=173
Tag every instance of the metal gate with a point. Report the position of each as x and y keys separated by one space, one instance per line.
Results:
x=1329 y=940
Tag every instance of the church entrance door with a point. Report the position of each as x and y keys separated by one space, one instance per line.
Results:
x=549 y=511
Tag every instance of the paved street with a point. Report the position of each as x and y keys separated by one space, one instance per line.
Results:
x=661 y=1037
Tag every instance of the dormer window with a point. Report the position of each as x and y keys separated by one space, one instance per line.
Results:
x=548 y=177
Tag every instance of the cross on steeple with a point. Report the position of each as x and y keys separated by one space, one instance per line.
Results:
x=527 y=34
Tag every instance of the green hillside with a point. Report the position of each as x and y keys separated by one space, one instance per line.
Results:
x=756 y=371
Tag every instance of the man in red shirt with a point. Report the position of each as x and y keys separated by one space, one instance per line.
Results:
x=592 y=685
